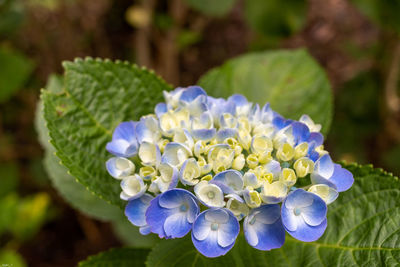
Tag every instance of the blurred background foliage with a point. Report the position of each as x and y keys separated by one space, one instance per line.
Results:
x=356 y=41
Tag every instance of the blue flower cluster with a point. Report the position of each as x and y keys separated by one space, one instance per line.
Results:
x=204 y=164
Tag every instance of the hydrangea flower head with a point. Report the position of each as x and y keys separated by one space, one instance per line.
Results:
x=206 y=165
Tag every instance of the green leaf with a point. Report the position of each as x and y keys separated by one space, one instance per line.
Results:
x=291 y=81
x=11 y=258
x=97 y=96
x=274 y=18
x=15 y=72
x=130 y=235
x=211 y=7
x=9 y=178
x=32 y=212
x=120 y=257
x=362 y=231
x=71 y=190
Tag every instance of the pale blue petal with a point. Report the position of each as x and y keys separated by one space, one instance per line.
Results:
x=191 y=93
x=238 y=100
x=307 y=233
x=176 y=225
x=173 y=198
x=209 y=246
x=314 y=215
x=204 y=134
x=202 y=228
x=122 y=148
x=229 y=181
x=160 y=109
x=317 y=138
x=156 y=216
x=170 y=154
x=145 y=230
x=135 y=210
x=223 y=134
x=228 y=232
x=289 y=219
x=324 y=166
x=217 y=215
x=268 y=214
x=342 y=178
x=126 y=131
x=267 y=231
x=298 y=199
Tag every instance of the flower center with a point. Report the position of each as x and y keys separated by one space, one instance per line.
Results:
x=211 y=195
x=214 y=226
x=183 y=208
x=297 y=211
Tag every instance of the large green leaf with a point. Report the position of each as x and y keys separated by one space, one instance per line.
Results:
x=15 y=70
x=96 y=97
x=363 y=230
x=72 y=191
x=273 y=17
x=212 y=7
x=120 y=257
x=291 y=81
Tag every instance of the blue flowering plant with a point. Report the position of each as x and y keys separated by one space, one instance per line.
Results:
x=208 y=165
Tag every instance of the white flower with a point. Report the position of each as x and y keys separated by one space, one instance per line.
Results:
x=132 y=187
x=209 y=194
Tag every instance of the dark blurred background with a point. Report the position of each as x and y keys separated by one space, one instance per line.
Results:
x=357 y=43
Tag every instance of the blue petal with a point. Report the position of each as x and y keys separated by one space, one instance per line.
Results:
x=307 y=233
x=176 y=225
x=298 y=198
x=342 y=178
x=135 y=210
x=313 y=155
x=223 y=134
x=238 y=100
x=301 y=132
x=160 y=109
x=209 y=247
x=324 y=166
x=156 y=216
x=191 y=93
x=125 y=131
x=314 y=215
x=122 y=148
x=229 y=181
x=269 y=235
x=174 y=198
x=204 y=134
x=228 y=232
x=145 y=230
x=317 y=138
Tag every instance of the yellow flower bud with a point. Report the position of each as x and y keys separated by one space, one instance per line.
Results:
x=207 y=178
x=285 y=152
x=303 y=166
x=288 y=177
x=238 y=162
x=147 y=172
x=252 y=161
x=301 y=150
